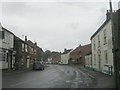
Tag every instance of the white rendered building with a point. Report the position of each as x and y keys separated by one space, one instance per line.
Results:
x=6 y=48
x=102 y=45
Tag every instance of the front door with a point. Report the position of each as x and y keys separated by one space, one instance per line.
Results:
x=28 y=63
x=99 y=62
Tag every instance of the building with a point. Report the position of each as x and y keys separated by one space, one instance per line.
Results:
x=27 y=53
x=0 y=55
x=88 y=60
x=23 y=53
x=6 y=48
x=49 y=60
x=65 y=56
x=77 y=56
x=37 y=50
x=56 y=59
x=102 y=45
x=116 y=36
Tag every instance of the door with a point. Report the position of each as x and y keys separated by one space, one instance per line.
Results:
x=99 y=62
x=28 y=63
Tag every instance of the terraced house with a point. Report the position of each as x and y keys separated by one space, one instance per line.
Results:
x=102 y=45
x=6 y=48
x=27 y=53
x=77 y=56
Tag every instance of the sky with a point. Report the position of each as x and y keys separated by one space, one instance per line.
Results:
x=54 y=24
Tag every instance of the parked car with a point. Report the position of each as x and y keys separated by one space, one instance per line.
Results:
x=38 y=66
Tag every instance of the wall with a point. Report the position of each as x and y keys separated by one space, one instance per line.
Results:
x=88 y=61
x=65 y=58
x=7 y=42
x=79 y=53
x=6 y=45
x=0 y=46
x=0 y=36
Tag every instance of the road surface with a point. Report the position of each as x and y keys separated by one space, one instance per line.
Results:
x=54 y=76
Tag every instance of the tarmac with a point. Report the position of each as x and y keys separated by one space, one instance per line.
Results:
x=101 y=80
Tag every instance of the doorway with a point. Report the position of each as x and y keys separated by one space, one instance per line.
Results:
x=99 y=62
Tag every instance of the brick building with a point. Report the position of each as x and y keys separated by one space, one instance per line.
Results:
x=77 y=56
x=26 y=53
x=56 y=58
x=37 y=50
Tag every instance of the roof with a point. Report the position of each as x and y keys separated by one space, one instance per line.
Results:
x=80 y=48
x=17 y=38
x=33 y=45
x=67 y=51
x=7 y=30
x=100 y=28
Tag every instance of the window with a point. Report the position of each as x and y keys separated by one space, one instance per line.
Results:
x=22 y=47
x=106 y=57
x=105 y=37
x=35 y=51
x=2 y=34
x=2 y=55
x=94 y=44
x=94 y=59
x=31 y=50
x=26 y=48
x=98 y=41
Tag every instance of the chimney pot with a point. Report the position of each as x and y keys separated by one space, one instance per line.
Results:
x=35 y=43
x=25 y=38
x=108 y=15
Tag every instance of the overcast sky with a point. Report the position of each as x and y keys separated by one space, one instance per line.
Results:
x=55 y=24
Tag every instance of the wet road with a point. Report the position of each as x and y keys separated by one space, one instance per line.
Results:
x=54 y=76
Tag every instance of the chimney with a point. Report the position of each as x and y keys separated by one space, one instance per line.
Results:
x=65 y=50
x=25 y=38
x=35 y=43
x=108 y=15
x=80 y=45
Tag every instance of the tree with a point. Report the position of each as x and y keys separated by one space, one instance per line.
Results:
x=46 y=54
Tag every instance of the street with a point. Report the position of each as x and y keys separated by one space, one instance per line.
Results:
x=54 y=76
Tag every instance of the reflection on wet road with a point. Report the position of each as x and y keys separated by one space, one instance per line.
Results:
x=54 y=76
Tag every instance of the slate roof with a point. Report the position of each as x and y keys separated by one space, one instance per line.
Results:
x=7 y=30
x=100 y=28
x=67 y=51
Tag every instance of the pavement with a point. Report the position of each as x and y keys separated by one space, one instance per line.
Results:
x=101 y=80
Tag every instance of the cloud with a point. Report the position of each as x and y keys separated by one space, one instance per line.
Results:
x=54 y=25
